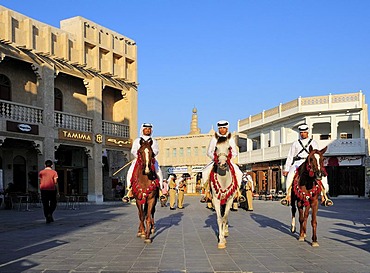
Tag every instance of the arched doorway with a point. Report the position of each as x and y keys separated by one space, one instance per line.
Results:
x=19 y=174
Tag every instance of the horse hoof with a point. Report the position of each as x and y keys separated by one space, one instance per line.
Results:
x=315 y=244
x=221 y=245
x=138 y=234
x=148 y=241
x=292 y=229
x=301 y=238
x=142 y=235
x=152 y=230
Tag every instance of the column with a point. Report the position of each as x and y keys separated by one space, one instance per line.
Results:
x=45 y=76
x=94 y=109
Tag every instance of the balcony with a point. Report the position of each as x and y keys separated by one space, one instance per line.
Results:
x=338 y=147
x=20 y=112
x=116 y=129
x=72 y=122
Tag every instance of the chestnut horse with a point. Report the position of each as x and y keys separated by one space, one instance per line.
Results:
x=145 y=185
x=223 y=187
x=306 y=191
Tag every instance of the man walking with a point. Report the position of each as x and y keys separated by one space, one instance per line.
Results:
x=49 y=190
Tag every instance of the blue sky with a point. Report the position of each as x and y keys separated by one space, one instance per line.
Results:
x=229 y=59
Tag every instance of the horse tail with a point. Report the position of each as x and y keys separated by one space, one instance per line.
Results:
x=223 y=209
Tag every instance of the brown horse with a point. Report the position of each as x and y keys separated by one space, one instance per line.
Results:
x=306 y=191
x=145 y=188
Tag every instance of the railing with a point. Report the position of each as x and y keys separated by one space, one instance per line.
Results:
x=116 y=129
x=73 y=122
x=20 y=112
x=302 y=105
x=338 y=147
x=25 y=113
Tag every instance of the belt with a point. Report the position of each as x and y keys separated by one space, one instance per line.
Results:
x=182 y=190
x=172 y=188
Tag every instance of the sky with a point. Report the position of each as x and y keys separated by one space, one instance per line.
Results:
x=229 y=59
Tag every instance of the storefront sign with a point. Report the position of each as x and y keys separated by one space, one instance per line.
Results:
x=343 y=161
x=98 y=138
x=75 y=136
x=120 y=142
x=24 y=128
x=182 y=169
x=197 y=169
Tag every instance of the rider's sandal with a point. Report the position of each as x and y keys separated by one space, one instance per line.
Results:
x=203 y=199
x=328 y=203
x=125 y=199
x=284 y=202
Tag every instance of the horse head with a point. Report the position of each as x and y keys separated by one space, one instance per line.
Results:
x=315 y=163
x=222 y=153
x=146 y=155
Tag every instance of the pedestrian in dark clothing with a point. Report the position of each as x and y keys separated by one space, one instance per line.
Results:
x=49 y=190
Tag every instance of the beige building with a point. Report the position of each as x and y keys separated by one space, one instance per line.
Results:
x=186 y=154
x=68 y=94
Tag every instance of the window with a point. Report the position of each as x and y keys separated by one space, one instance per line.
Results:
x=174 y=152
x=188 y=151
x=181 y=152
x=58 y=100
x=167 y=152
x=324 y=137
x=196 y=151
x=204 y=150
x=4 y=88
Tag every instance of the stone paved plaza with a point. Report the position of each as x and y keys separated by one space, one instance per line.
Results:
x=102 y=238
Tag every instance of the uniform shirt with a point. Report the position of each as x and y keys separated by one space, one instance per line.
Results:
x=48 y=179
x=296 y=148
x=213 y=143
x=172 y=184
x=136 y=146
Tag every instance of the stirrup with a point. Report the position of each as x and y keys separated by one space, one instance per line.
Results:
x=284 y=202
x=242 y=199
x=328 y=203
x=126 y=199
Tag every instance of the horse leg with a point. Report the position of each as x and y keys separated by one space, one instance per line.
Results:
x=221 y=237
x=149 y=220
x=315 y=207
x=302 y=232
x=221 y=232
x=294 y=210
x=141 y=229
x=152 y=230
x=226 y=227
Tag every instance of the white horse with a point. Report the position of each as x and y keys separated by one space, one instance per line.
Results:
x=223 y=186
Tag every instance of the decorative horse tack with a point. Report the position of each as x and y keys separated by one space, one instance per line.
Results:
x=137 y=190
x=303 y=195
x=224 y=194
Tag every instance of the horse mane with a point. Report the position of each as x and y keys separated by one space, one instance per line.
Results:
x=221 y=139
